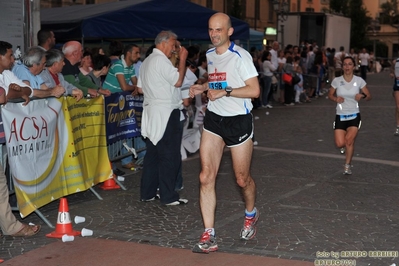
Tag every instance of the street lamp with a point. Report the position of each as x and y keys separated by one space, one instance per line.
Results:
x=281 y=7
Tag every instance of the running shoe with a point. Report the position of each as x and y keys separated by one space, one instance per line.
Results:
x=347 y=169
x=342 y=150
x=249 y=229
x=396 y=132
x=206 y=244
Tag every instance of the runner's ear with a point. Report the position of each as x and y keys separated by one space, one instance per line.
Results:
x=230 y=31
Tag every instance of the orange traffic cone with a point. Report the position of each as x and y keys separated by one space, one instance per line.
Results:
x=64 y=224
x=110 y=183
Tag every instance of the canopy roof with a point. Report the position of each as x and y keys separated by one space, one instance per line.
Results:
x=134 y=19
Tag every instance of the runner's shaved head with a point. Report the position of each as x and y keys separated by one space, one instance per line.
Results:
x=221 y=18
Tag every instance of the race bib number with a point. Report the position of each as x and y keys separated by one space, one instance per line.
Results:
x=347 y=117
x=217 y=81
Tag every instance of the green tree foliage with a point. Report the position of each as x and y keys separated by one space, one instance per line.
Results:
x=236 y=9
x=389 y=12
x=339 y=6
x=359 y=24
x=355 y=10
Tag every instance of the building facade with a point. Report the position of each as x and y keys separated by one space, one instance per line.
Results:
x=388 y=34
x=260 y=15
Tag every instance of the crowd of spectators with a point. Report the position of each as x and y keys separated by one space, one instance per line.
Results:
x=316 y=66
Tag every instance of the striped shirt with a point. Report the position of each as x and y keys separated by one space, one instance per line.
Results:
x=119 y=67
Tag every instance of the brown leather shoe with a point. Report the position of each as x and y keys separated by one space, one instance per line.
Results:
x=129 y=166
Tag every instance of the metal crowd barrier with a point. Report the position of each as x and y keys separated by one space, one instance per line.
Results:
x=114 y=149
x=114 y=153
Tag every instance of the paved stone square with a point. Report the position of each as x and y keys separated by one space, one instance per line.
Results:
x=308 y=207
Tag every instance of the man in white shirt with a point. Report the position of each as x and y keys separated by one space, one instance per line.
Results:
x=364 y=58
x=338 y=58
x=310 y=59
x=274 y=53
x=160 y=81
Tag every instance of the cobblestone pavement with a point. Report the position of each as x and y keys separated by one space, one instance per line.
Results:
x=309 y=209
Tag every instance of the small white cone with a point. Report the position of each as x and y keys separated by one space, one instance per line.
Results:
x=121 y=178
x=86 y=232
x=67 y=238
x=79 y=219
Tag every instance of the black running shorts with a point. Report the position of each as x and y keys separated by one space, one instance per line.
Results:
x=395 y=85
x=234 y=130
x=339 y=124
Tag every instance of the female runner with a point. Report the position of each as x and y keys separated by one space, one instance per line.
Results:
x=347 y=90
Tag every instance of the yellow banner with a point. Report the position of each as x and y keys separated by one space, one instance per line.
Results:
x=56 y=147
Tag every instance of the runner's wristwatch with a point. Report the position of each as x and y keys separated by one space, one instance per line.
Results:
x=228 y=91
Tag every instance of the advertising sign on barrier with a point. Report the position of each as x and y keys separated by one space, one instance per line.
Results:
x=55 y=147
x=122 y=111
